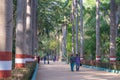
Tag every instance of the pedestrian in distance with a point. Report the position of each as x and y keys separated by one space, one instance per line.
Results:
x=54 y=58
x=38 y=59
x=44 y=59
x=77 y=61
x=72 y=62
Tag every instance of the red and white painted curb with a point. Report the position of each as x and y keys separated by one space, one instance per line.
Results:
x=6 y=64
x=112 y=59
x=19 y=60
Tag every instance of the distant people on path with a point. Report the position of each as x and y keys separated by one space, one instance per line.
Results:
x=44 y=58
x=38 y=58
x=54 y=58
x=48 y=59
x=77 y=61
x=72 y=62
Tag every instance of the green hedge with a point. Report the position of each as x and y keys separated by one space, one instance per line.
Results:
x=114 y=66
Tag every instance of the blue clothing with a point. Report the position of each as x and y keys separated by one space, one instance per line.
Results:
x=72 y=59
x=44 y=59
x=77 y=60
x=72 y=66
x=72 y=62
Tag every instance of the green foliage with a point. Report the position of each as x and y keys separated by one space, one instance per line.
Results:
x=118 y=48
x=41 y=54
x=118 y=2
x=49 y=15
x=69 y=38
x=89 y=4
x=90 y=29
x=53 y=44
x=47 y=44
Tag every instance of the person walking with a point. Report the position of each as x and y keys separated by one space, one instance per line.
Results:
x=44 y=59
x=54 y=58
x=72 y=62
x=38 y=58
x=77 y=60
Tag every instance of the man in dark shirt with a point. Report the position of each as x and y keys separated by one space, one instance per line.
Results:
x=72 y=62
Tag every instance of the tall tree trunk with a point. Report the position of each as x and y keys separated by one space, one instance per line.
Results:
x=112 y=31
x=73 y=30
x=98 y=57
x=81 y=30
x=24 y=24
x=6 y=30
x=28 y=32
x=60 y=49
x=33 y=25
x=76 y=16
x=64 y=40
x=20 y=38
x=36 y=36
x=34 y=28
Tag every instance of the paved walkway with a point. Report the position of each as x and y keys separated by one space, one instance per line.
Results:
x=61 y=71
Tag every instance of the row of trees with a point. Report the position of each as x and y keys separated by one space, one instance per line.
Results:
x=20 y=30
x=113 y=28
x=89 y=28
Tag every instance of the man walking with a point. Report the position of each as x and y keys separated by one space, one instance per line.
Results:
x=77 y=60
x=72 y=62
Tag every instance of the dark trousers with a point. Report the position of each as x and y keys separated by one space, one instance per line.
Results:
x=77 y=66
x=44 y=61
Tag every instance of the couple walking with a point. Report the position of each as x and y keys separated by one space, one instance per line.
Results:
x=74 y=60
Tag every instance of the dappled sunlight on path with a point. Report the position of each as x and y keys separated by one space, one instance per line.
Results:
x=61 y=71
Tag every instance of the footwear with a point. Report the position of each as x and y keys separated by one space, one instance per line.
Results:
x=72 y=70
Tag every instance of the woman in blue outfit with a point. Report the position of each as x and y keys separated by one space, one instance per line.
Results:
x=77 y=60
x=72 y=62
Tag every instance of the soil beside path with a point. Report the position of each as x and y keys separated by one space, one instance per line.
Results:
x=61 y=71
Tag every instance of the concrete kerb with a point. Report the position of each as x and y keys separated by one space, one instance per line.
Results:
x=35 y=73
x=102 y=69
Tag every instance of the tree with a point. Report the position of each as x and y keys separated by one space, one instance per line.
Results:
x=20 y=35
x=97 y=32
x=73 y=30
x=64 y=33
x=81 y=31
x=76 y=29
x=112 y=31
x=28 y=33
x=6 y=18
x=34 y=26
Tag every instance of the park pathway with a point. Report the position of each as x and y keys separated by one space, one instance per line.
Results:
x=61 y=71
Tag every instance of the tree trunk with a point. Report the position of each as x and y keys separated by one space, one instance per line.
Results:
x=112 y=31
x=60 y=49
x=34 y=28
x=81 y=30
x=73 y=30
x=76 y=16
x=28 y=32
x=36 y=36
x=6 y=32
x=64 y=40
x=20 y=38
x=33 y=25
x=98 y=57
